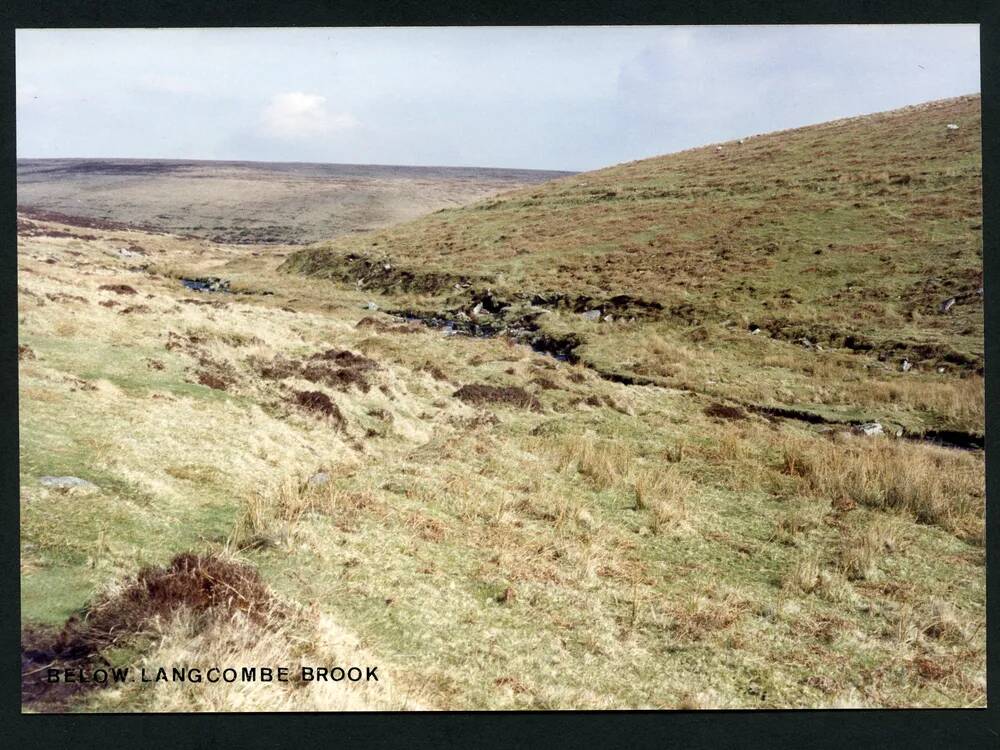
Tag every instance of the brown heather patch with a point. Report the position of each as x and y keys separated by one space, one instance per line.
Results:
x=207 y=586
x=335 y=368
x=117 y=288
x=319 y=403
x=24 y=352
x=493 y=394
x=213 y=381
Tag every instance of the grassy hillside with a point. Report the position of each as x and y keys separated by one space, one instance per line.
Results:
x=847 y=236
x=668 y=514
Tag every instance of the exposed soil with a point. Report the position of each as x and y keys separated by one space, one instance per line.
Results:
x=320 y=403
x=723 y=411
x=494 y=394
x=117 y=288
x=204 y=584
x=213 y=381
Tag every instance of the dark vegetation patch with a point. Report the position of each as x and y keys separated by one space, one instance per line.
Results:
x=206 y=585
x=494 y=394
x=207 y=284
x=209 y=302
x=545 y=383
x=724 y=411
x=24 y=352
x=271 y=234
x=928 y=353
x=213 y=380
x=337 y=368
x=319 y=403
x=61 y=297
x=30 y=229
x=117 y=288
x=371 y=273
x=434 y=371
x=109 y=303
x=133 y=309
x=154 y=364
x=81 y=221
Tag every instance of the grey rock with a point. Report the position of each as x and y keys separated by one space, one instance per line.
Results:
x=478 y=309
x=906 y=365
x=318 y=479
x=371 y=305
x=947 y=304
x=869 y=428
x=68 y=483
x=754 y=330
x=592 y=315
x=951 y=126
x=609 y=318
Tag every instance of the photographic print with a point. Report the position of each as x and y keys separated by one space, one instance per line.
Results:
x=500 y=368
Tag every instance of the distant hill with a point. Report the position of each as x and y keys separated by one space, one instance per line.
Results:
x=254 y=202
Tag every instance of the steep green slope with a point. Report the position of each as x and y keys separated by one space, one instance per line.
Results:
x=841 y=242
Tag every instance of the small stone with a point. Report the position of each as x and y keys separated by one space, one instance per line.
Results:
x=318 y=479
x=68 y=483
x=371 y=305
x=609 y=318
x=906 y=365
x=592 y=315
x=947 y=304
x=477 y=310
x=951 y=126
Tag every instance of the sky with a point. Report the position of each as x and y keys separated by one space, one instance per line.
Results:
x=571 y=98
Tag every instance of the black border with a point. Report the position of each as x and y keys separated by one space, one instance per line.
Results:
x=911 y=728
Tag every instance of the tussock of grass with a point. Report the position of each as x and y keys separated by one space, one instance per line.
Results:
x=935 y=485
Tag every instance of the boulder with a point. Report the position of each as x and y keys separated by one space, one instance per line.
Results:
x=591 y=315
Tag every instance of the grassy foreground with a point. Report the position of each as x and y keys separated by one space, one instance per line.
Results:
x=501 y=529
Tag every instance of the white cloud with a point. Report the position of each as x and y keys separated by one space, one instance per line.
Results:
x=300 y=115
